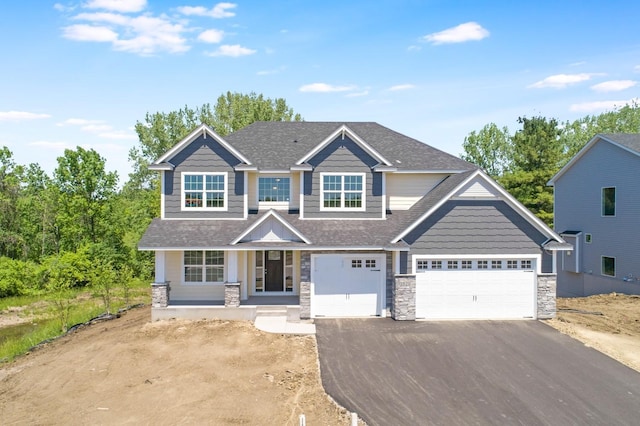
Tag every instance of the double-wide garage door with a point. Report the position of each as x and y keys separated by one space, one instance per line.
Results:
x=475 y=293
x=347 y=285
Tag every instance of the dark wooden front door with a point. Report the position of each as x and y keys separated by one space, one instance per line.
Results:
x=274 y=263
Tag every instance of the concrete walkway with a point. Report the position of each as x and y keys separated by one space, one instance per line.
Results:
x=280 y=325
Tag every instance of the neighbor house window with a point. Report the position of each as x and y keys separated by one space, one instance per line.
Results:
x=609 y=201
x=343 y=192
x=203 y=266
x=274 y=190
x=609 y=266
x=206 y=191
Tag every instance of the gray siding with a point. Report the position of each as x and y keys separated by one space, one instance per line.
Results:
x=578 y=208
x=204 y=155
x=476 y=227
x=343 y=156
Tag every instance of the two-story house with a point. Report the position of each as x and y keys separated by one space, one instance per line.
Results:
x=340 y=219
x=597 y=210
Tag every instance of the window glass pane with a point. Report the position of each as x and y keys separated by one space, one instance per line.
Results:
x=273 y=189
x=259 y=257
x=436 y=264
x=289 y=258
x=482 y=264
x=525 y=264
x=193 y=182
x=608 y=266
x=332 y=183
x=193 y=258
x=466 y=264
x=193 y=199
x=215 y=199
x=353 y=183
x=356 y=263
x=370 y=263
x=193 y=273
x=496 y=264
x=422 y=264
x=608 y=201
x=353 y=200
x=215 y=183
x=331 y=199
x=215 y=274
x=512 y=264
x=452 y=264
x=214 y=257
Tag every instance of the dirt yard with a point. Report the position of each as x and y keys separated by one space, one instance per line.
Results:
x=131 y=371
x=609 y=323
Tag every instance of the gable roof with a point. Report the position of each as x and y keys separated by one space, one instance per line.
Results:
x=263 y=219
x=446 y=189
x=162 y=162
x=629 y=142
x=280 y=145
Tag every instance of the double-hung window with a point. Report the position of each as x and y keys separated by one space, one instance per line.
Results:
x=204 y=191
x=609 y=201
x=203 y=266
x=343 y=191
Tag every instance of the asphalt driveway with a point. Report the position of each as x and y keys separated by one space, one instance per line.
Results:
x=480 y=372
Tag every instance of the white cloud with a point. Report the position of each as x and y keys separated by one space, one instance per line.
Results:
x=357 y=94
x=325 y=88
x=146 y=35
x=401 y=87
x=84 y=32
x=220 y=10
x=211 y=36
x=21 y=115
x=613 y=85
x=99 y=128
x=560 y=81
x=234 y=51
x=599 y=105
x=464 y=32
x=124 y=6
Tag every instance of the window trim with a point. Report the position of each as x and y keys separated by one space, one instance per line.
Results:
x=602 y=266
x=204 y=208
x=615 y=201
x=204 y=266
x=273 y=204
x=342 y=208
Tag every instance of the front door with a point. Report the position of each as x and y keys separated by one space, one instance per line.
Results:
x=274 y=277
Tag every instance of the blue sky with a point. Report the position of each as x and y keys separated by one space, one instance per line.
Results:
x=84 y=72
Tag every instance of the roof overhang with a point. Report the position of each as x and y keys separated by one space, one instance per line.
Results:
x=161 y=166
x=301 y=168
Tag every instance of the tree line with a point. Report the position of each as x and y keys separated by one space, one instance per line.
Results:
x=524 y=161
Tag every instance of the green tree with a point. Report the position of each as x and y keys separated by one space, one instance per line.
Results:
x=85 y=192
x=490 y=149
x=11 y=241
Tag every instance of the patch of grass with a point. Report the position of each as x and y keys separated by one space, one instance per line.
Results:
x=18 y=301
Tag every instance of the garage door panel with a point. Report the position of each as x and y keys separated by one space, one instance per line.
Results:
x=475 y=294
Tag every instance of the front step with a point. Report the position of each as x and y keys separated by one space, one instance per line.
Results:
x=292 y=313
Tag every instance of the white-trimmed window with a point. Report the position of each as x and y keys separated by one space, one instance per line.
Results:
x=204 y=191
x=436 y=264
x=203 y=266
x=466 y=264
x=422 y=264
x=512 y=264
x=342 y=191
x=274 y=189
x=452 y=264
x=525 y=264
x=609 y=266
x=483 y=264
x=609 y=201
x=496 y=264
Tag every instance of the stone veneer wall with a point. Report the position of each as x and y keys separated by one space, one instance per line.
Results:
x=160 y=295
x=305 y=300
x=231 y=295
x=403 y=307
x=546 y=296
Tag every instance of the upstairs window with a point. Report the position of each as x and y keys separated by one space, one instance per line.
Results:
x=609 y=201
x=274 y=190
x=342 y=192
x=204 y=191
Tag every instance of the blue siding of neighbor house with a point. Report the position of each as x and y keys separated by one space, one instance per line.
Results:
x=477 y=227
x=343 y=156
x=578 y=208
x=204 y=155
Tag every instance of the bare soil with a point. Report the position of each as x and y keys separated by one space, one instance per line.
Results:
x=132 y=371
x=610 y=323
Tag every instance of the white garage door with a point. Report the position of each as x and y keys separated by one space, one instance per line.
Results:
x=347 y=285
x=484 y=289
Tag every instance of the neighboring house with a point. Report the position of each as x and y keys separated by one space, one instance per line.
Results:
x=340 y=219
x=597 y=210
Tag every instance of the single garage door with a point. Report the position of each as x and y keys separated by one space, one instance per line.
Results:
x=475 y=289
x=347 y=285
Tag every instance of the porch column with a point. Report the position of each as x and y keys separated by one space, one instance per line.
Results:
x=546 y=289
x=160 y=295
x=160 y=260
x=232 y=266
x=231 y=295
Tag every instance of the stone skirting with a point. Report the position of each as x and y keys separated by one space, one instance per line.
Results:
x=160 y=295
x=403 y=298
x=305 y=300
x=231 y=295
x=546 y=287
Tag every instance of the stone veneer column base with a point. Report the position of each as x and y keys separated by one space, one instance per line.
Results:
x=403 y=298
x=231 y=295
x=160 y=294
x=546 y=287
x=305 y=300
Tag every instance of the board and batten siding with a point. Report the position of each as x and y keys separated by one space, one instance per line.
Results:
x=294 y=182
x=204 y=155
x=488 y=227
x=343 y=156
x=578 y=207
x=405 y=189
